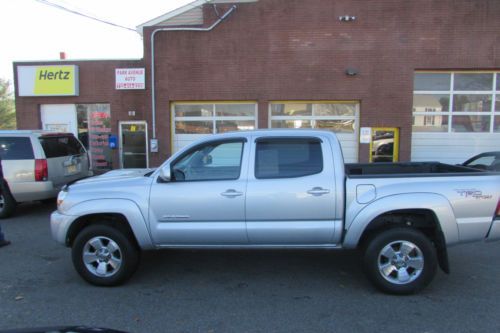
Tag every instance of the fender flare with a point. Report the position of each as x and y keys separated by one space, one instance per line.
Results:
x=125 y=207
x=436 y=203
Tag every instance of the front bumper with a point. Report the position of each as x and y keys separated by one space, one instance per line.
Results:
x=494 y=233
x=59 y=225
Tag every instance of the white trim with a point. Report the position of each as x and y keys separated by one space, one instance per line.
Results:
x=184 y=9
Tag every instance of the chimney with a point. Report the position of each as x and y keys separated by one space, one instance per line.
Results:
x=62 y=55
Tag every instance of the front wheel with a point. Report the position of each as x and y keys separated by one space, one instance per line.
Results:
x=104 y=256
x=400 y=261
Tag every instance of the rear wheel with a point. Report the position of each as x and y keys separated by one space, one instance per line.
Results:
x=104 y=256
x=7 y=202
x=400 y=261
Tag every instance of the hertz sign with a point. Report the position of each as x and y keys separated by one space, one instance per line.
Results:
x=48 y=80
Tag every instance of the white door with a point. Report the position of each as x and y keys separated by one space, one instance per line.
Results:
x=59 y=118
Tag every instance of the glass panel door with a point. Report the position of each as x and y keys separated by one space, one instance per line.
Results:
x=384 y=146
x=133 y=145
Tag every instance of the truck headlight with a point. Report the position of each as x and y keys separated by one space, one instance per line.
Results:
x=60 y=198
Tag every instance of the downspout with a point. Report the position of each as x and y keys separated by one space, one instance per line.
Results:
x=153 y=88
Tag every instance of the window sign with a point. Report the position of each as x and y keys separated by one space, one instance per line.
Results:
x=365 y=135
x=94 y=130
x=130 y=78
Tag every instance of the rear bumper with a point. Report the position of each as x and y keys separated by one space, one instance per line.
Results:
x=59 y=225
x=494 y=233
x=29 y=191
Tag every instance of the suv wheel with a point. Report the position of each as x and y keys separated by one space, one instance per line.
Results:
x=7 y=202
x=104 y=256
x=400 y=261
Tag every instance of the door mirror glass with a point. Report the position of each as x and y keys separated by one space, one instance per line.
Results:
x=165 y=174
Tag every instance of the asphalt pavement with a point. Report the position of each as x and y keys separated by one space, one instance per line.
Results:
x=237 y=291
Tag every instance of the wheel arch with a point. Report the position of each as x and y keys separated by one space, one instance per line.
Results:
x=428 y=212
x=124 y=215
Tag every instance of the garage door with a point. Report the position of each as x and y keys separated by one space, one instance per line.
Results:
x=193 y=121
x=339 y=117
x=455 y=115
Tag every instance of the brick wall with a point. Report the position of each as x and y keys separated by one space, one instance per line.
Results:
x=299 y=50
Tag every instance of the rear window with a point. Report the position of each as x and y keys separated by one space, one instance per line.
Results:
x=59 y=146
x=16 y=148
x=288 y=158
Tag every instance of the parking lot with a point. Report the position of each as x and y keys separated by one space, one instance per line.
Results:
x=237 y=291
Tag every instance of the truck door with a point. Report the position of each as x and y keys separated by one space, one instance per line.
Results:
x=204 y=204
x=291 y=192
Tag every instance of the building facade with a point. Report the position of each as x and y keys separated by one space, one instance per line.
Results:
x=396 y=80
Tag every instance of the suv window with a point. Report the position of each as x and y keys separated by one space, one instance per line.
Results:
x=288 y=158
x=214 y=161
x=59 y=146
x=16 y=148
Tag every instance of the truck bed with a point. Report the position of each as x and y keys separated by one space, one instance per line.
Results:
x=408 y=169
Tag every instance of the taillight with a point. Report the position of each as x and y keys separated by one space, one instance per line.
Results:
x=498 y=208
x=41 y=170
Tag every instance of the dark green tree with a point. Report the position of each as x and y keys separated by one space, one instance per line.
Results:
x=7 y=106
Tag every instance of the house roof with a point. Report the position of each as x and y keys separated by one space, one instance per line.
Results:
x=189 y=14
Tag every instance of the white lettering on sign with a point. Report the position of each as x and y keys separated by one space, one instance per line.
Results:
x=130 y=78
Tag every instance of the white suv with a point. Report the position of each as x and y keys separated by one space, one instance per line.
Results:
x=36 y=164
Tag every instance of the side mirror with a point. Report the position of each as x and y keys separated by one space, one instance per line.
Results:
x=207 y=159
x=165 y=174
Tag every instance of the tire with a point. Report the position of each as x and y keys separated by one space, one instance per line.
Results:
x=400 y=261
x=7 y=202
x=111 y=256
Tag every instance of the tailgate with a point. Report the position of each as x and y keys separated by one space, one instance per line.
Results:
x=67 y=159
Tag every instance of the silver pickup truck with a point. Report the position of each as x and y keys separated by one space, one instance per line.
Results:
x=276 y=190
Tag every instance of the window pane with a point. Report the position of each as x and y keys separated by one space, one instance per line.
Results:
x=235 y=125
x=193 y=127
x=472 y=103
x=339 y=126
x=497 y=103
x=287 y=158
x=485 y=160
x=497 y=124
x=291 y=124
x=61 y=146
x=430 y=123
x=235 y=110
x=99 y=129
x=195 y=110
x=218 y=161
x=16 y=148
x=471 y=123
x=335 y=110
x=473 y=82
x=291 y=109
x=432 y=81
x=431 y=103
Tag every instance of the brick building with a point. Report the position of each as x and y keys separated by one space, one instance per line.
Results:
x=395 y=79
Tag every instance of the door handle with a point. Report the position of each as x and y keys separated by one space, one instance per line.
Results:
x=317 y=191
x=231 y=194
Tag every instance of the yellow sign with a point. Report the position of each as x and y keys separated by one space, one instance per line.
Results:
x=55 y=80
x=50 y=80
